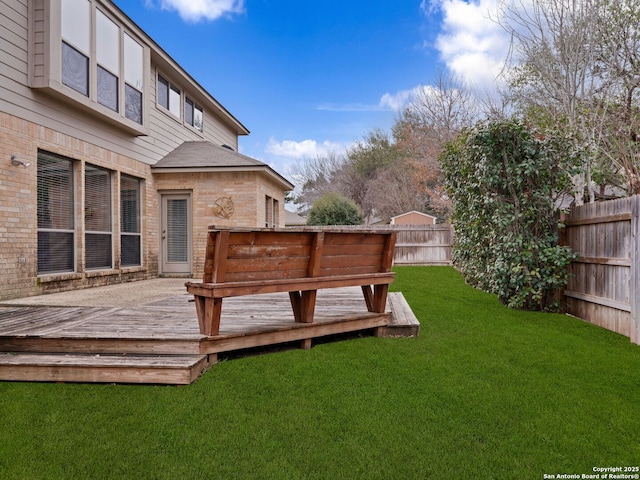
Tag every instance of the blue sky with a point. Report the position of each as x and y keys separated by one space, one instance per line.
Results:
x=311 y=77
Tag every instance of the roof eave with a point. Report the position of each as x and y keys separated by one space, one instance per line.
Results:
x=160 y=53
x=243 y=168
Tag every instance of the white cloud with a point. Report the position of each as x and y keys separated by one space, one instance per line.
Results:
x=397 y=101
x=348 y=107
x=388 y=102
x=303 y=149
x=471 y=44
x=196 y=10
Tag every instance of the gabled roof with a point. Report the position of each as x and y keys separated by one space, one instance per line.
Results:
x=293 y=219
x=204 y=156
x=413 y=212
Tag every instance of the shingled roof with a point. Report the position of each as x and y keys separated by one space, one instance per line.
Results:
x=209 y=157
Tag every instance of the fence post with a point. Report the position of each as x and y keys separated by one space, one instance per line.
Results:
x=634 y=291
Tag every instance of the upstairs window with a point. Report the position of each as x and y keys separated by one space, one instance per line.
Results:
x=168 y=96
x=193 y=114
x=100 y=60
x=76 y=44
x=133 y=77
x=108 y=68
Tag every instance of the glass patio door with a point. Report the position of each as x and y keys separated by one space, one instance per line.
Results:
x=175 y=235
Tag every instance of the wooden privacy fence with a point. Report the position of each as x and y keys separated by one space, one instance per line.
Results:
x=418 y=244
x=604 y=282
x=423 y=244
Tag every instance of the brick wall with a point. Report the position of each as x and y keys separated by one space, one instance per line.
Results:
x=209 y=191
x=18 y=208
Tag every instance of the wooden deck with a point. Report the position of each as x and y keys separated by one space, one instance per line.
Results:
x=159 y=342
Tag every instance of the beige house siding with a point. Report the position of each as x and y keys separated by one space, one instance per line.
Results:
x=168 y=131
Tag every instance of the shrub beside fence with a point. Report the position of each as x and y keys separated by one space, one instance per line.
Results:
x=604 y=281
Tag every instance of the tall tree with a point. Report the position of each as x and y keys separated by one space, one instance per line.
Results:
x=316 y=177
x=393 y=191
x=554 y=62
x=618 y=56
x=436 y=115
x=364 y=162
x=575 y=67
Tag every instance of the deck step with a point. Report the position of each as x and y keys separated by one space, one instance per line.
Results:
x=91 y=368
x=102 y=345
x=403 y=322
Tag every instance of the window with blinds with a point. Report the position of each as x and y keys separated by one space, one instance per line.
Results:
x=56 y=226
x=130 y=229
x=177 y=234
x=97 y=218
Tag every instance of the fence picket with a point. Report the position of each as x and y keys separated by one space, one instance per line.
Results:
x=604 y=282
x=635 y=269
x=417 y=244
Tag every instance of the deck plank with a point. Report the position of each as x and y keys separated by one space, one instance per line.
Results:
x=171 y=318
x=165 y=369
x=99 y=342
x=403 y=321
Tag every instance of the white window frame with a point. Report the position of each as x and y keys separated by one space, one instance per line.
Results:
x=52 y=229
x=194 y=108
x=90 y=212
x=173 y=97
x=124 y=229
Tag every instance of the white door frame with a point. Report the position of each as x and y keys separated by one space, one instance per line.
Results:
x=176 y=244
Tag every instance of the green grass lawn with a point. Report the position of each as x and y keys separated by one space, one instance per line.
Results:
x=484 y=392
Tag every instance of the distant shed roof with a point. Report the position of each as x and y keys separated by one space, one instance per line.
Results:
x=413 y=217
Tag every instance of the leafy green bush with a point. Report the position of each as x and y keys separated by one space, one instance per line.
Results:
x=334 y=209
x=502 y=179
